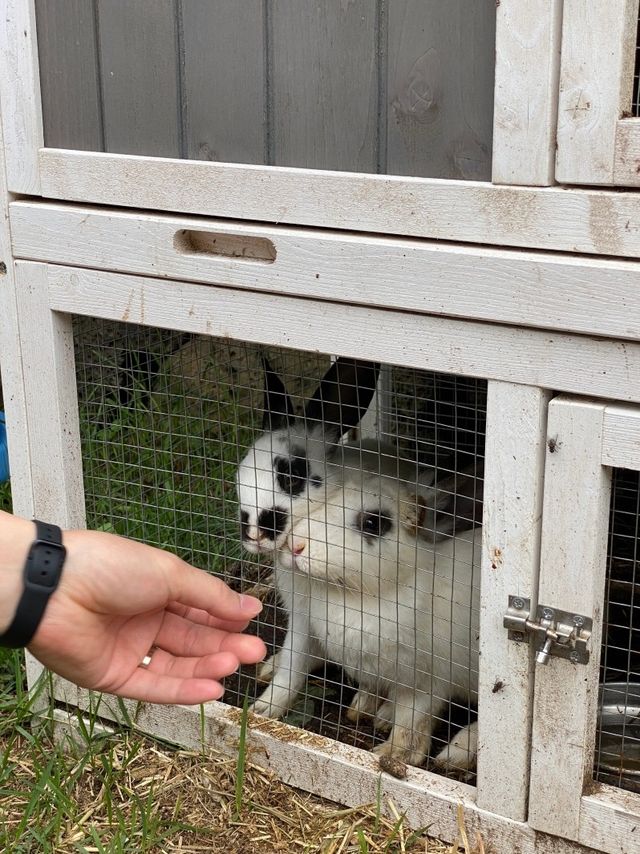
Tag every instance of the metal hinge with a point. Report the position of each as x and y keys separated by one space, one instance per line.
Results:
x=560 y=633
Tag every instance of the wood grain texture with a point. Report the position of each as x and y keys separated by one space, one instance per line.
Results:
x=621 y=437
x=69 y=74
x=224 y=99
x=140 y=91
x=610 y=821
x=572 y=578
x=585 y=295
x=323 y=80
x=46 y=351
x=596 y=81
x=565 y=362
x=514 y=476
x=20 y=91
x=526 y=91
x=440 y=88
x=592 y=221
x=11 y=370
x=626 y=165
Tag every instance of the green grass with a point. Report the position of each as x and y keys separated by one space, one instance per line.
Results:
x=162 y=467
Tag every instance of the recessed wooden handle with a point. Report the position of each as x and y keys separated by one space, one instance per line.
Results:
x=242 y=247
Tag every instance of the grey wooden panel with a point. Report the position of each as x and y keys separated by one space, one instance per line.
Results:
x=440 y=88
x=323 y=84
x=139 y=66
x=69 y=75
x=224 y=80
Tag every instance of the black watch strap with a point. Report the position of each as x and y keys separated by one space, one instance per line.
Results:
x=42 y=573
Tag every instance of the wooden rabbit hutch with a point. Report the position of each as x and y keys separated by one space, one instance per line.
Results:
x=446 y=190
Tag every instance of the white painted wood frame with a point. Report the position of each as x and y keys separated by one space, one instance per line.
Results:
x=20 y=99
x=546 y=291
x=573 y=564
x=526 y=91
x=514 y=476
x=464 y=211
x=571 y=363
x=47 y=297
x=597 y=141
x=11 y=371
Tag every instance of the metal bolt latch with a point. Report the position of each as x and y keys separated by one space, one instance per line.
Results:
x=562 y=634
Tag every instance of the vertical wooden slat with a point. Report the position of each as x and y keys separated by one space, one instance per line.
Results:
x=46 y=350
x=596 y=82
x=526 y=92
x=15 y=405
x=224 y=80
x=514 y=468
x=572 y=577
x=324 y=84
x=440 y=88
x=139 y=71
x=69 y=74
x=20 y=93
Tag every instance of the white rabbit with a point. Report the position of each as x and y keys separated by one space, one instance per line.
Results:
x=288 y=468
x=400 y=615
x=288 y=464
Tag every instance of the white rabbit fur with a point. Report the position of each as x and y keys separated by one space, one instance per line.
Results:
x=399 y=614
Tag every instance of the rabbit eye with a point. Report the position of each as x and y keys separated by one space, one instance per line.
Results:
x=374 y=523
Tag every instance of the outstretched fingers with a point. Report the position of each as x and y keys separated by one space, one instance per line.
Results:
x=172 y=679
x=182 y=637
x=195 y=589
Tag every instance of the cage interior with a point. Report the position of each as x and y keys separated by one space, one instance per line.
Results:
x=617 y=759
x=167 y=419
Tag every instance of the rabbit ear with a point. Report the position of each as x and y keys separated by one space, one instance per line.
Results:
x=343 y=396
x=278 y=407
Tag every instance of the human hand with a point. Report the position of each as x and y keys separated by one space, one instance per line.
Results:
x=118 y=599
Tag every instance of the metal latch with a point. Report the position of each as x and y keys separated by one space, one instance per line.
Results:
x=563 y=634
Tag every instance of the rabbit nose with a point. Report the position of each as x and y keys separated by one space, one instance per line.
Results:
x=297 y=545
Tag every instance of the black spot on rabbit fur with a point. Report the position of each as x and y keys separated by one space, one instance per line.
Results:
x=272 y=522
x=292 y=472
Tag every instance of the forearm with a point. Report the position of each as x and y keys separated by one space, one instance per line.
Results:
x=16 y=536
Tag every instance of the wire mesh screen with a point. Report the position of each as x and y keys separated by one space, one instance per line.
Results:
x=618 y=736
x=346 y=495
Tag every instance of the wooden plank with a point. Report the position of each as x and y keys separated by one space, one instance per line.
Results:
x=332 y=770
x=139 y=75
x=626 y=166
x=591 y=221
x=224 y=80
x=621 y=437
x=585 y=295
x=572 y=578
x=526 y=92
x=46 y=349
x=69 y=74
x=440 y=88
x=610 y=821
x=565 y=362
x=323 y=84
x=514 y=476
x=11 y=370
x=596 y=82
x=20 y=95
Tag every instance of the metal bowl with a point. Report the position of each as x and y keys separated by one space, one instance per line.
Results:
x=619 y=734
